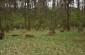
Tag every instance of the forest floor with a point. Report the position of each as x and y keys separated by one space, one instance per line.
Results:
x=63 y=43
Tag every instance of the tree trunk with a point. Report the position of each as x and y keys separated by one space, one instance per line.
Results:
x=25 y=15
x=68 y=18
x=80 y=26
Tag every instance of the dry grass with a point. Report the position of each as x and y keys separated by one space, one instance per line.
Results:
x=67 y=43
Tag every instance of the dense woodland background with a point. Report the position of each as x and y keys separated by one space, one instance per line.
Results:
x=40 y=14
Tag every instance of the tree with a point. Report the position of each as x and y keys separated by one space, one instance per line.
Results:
x=80 y=24
x=67 y=8
x=25 y=13
x=1 y=8
x=40 y=13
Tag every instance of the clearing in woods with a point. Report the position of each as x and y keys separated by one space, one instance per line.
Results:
x=18 y=42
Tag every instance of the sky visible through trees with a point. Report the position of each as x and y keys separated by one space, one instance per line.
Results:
x=50 y=2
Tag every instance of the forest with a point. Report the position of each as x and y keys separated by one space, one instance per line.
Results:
x=42 y=27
